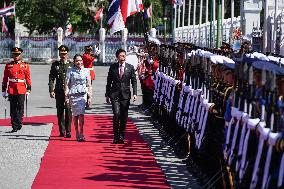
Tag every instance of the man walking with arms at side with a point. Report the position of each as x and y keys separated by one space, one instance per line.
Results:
x=118 y=93
x=58 y=72
x=17 y=75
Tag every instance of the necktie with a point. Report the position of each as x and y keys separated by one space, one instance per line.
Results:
x=121 y=71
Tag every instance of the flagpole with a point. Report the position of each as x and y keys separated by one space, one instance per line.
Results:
x=188 y=23
x=2 y=17
x=15 y=17
x=222 y=20
x=151 y=18
x=206 y=24
x=265 y=22
x=183 y=14
x=174 y=23
x=211 y=25
x=232 y=17
x=194 y=21
x=218 y=41
x=17 y=33
x=178 y=16
x=200 y=22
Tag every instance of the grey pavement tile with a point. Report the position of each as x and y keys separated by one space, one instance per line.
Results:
x=21 y=153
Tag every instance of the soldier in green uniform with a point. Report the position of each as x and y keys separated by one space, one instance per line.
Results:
x=58 y=72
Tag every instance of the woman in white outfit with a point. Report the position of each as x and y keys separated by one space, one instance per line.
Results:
x=78 y=87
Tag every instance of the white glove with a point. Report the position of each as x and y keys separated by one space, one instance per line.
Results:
x=97 y=51
x=27 y=94
x=5 y=94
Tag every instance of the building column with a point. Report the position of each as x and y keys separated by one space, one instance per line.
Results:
x=102 y=46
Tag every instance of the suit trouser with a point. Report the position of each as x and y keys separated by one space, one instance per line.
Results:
x=17 y=110
x=120 y=114
x=64 y=120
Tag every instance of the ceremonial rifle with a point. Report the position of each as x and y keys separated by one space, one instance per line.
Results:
x=272 y=104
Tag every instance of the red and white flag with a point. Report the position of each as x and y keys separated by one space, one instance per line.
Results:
x=148 y=12
x=68 y=30
x=99 y=15
x=134 y=6
x=8 y=11
x=4 y=26
x=119 y=10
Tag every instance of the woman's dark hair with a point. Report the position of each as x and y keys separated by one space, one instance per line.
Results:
x=119 y=51
x=76 y=55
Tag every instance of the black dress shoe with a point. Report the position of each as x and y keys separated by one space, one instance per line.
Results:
x=61 y=135
x=68 y=135
x=120 y=141
x=14 y=130
x=115 y=141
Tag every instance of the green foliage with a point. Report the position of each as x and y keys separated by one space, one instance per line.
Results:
x=43 y=16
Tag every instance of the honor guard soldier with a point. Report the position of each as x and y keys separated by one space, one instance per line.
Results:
x=17 y=76
x=88 y=59
x=58 y=72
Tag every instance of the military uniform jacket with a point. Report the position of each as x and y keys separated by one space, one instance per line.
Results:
x=58 y=74
x=88 y=63
x=120 y=87
x=17 y=75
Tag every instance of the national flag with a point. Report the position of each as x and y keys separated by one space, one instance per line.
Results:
x=68 y=30
x=148 y=12
x=114 y=17
x=4 y=26
x=134 y=6
x=119 y=10
x=99 y=14
x=8 y=11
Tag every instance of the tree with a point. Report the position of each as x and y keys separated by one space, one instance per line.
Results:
x=40 y=16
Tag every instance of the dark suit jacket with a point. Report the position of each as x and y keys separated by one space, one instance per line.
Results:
x=117 y=87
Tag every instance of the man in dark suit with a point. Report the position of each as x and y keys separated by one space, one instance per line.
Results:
x=118 y=93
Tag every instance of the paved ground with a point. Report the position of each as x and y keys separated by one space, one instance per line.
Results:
x=21 y=153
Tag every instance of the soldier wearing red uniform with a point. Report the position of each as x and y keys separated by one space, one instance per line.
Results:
x=16 y=84
x=88 y=59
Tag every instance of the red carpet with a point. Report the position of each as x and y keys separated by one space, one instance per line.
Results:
x=97 y=163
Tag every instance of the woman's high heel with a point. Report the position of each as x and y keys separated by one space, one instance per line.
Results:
x=82 y=139
x=78 y=138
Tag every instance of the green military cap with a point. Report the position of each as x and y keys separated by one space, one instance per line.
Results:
x=63 y=49
x=16 y=50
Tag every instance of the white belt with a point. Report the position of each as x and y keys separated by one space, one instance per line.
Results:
x=272 y=138
x=17 y=80
x=90 y=68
